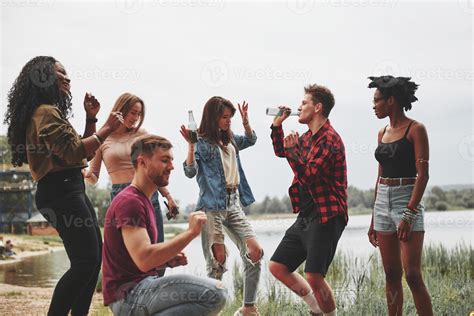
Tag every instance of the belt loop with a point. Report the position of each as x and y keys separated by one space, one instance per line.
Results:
x=401 y=181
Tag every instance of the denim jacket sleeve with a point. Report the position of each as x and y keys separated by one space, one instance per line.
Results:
x=245 y=141
x=191 y=170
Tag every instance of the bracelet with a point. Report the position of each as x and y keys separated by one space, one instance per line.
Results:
x=98 y=139
x=246 y=123
x=408 y=216
x=91 y=120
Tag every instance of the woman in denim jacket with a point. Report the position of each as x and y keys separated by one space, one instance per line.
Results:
x=223 y=191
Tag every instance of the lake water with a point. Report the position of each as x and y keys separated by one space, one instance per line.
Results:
x=446 y=228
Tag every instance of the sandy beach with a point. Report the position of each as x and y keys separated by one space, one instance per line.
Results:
x=19 y=300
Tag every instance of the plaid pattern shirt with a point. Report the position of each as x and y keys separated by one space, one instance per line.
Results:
x=319 y=164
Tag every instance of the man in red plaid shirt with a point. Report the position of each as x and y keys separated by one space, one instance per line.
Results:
x=318 y=195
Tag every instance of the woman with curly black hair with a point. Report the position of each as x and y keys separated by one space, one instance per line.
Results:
x=397 y=225
x=40 y=135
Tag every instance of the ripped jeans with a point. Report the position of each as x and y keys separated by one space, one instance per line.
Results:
x=238 y=228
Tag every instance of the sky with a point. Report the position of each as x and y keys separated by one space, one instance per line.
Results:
x=175 y=55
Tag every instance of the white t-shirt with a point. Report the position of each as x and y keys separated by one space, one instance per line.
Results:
x=229 y=162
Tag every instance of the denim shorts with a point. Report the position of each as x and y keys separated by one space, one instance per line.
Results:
x=389 y=205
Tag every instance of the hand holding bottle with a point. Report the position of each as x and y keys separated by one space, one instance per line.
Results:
x=283 y=113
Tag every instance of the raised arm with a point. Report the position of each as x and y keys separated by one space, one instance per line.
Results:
x=148 y=256
x=190 y=164
x=277 y=132
x=92 y=107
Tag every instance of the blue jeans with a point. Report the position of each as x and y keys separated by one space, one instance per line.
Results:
x=116 y=188
x=173 y=295
x=238 y=228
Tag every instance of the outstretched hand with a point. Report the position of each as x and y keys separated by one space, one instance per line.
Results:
x=185 y=133
x=243 y=109
x=91 y=105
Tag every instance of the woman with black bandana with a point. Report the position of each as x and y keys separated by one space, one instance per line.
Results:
x=397 y=225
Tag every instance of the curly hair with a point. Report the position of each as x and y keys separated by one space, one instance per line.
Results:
x=36 y=84
x=401 y=88
x=321 y=94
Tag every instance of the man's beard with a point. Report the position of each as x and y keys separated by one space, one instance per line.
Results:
x=159 y=181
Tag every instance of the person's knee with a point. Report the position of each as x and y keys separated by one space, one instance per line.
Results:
x=315 y=279
x=254 y=251
x=218 y=251
x=278 y=270
x=393 y=275
x=414 y=279
x=87 y=263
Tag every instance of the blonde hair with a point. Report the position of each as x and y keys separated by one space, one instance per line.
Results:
x=124 y=104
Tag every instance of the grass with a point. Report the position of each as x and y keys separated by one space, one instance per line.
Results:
x=359 y=286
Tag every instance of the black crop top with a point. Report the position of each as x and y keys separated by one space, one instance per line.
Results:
x=397 y=158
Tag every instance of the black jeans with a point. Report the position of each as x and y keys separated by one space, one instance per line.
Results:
x=62 y=200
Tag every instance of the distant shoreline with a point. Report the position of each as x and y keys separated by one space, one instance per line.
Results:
x=26 y=246
x=27 y=254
